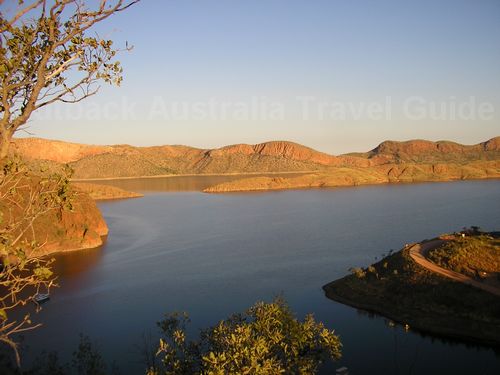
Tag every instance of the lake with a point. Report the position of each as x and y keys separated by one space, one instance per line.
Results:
x=212 y=255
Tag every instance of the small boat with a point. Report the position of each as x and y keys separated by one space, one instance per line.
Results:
x=41 y=297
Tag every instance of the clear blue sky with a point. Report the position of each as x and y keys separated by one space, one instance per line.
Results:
x=349 y=53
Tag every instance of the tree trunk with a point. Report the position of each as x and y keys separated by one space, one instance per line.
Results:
x=4 y=145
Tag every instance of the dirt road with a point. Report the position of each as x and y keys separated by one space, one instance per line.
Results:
x=418 y=252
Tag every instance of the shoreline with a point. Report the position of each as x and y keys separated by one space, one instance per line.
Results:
x=72 y=249
x=401 y=289
x=190 y=175
x=267 y=189
x=437 y=330
x=100 y=192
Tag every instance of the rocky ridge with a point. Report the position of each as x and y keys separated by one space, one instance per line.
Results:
x=91 y=161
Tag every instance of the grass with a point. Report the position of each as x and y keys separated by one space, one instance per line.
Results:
x=401 y=290
x=469 y=255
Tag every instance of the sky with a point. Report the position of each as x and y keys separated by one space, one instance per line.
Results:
x=338 y=76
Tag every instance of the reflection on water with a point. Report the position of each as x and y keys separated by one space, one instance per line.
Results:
x=73 y=263
x=215 y=254
x=178 y=183
x=431 y=336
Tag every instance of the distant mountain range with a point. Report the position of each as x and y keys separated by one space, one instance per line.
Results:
x=92 y=161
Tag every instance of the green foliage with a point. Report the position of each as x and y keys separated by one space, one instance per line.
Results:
x=61 y=46
x=87 y=360
x=266 y=339
x=25 y=199
x=48 y=364
x=358 y=272
x=179 y=356
x=42 y=272
x=48 y=56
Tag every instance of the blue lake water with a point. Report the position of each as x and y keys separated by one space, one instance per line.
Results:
x=212 y=255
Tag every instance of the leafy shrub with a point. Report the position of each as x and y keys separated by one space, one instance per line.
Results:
x=358 y=272
x=266 y=339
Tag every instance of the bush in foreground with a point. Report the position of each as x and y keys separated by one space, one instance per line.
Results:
x=266 y=339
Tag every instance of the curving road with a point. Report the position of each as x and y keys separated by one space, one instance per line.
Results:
x=418 y=252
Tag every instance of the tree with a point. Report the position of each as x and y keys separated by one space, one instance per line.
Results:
x=23 y=272
x=47 y=56
x=267 y=339
x=86 y=360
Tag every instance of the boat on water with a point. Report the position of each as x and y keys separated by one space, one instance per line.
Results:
x=41 y=297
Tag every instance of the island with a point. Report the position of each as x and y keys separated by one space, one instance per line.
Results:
x=104 y=192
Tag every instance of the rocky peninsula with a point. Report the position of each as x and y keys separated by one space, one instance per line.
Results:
x=104 y=192
x=402 y=288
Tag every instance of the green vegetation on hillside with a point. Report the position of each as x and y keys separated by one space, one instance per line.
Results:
x=402 y=290
x=469 y=255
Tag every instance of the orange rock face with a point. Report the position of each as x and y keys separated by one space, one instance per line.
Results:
x=294 y=151
x=58 y=229
x=492 y=145
x=276 y=156
x=420 y=151
x=81 y=228
x=60 y=152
